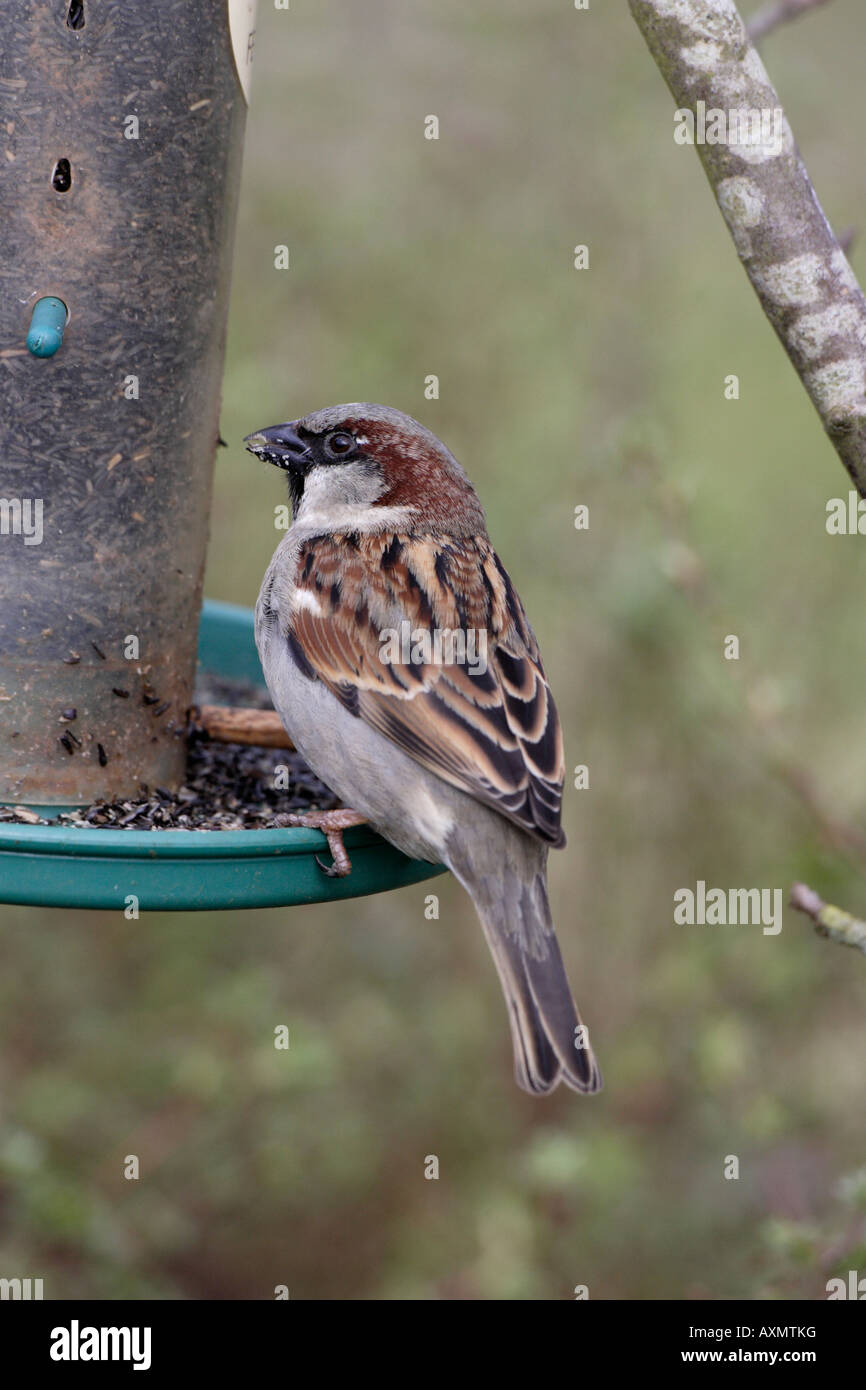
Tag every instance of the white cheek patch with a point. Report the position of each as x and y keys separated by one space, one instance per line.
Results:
x=343 y=497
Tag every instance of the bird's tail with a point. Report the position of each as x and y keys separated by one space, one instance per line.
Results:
x=550 y=1043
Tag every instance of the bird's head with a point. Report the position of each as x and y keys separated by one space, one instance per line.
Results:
x=368 y=467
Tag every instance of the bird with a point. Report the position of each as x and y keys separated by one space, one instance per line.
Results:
x=399 y=658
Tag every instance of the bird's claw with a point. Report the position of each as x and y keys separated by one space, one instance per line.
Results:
x=332 y=824
x=334 y=870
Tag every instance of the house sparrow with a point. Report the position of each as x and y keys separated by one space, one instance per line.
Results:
x=399 y=658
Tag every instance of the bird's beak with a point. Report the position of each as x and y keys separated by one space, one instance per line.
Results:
x=281 y=445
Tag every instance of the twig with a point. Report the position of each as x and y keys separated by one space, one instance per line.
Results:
x=829 y=921
x=794 y=262
x=842 y=839
x=228 y=724
x=779 y=12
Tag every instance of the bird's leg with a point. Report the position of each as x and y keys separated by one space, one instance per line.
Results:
x=332 y=824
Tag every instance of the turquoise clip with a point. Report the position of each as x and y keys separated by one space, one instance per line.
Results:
x=45 y=333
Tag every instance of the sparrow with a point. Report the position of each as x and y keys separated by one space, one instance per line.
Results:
x=400 y=660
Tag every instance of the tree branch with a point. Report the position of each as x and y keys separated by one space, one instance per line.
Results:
x=829 y=921
x=794 y=262
x=779 y=12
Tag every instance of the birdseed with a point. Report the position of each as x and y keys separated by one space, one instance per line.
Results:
x=228 y=786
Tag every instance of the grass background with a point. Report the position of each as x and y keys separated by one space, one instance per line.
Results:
x=558 y=387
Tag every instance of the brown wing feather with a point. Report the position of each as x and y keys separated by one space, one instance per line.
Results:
x=495 y=733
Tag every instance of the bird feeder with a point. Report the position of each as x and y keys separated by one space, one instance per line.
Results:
x=122 y=129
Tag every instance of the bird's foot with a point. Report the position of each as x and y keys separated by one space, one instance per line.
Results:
x=332 y=824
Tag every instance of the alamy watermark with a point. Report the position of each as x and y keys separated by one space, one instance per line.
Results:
x=421 y=646
x=22 y=516
x=846 y=516
x=77 y=1343
x=854 y=1287
x=743 y=127
x=734 y=907
x=20 y=1289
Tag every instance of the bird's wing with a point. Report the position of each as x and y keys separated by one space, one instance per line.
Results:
x=365 y=613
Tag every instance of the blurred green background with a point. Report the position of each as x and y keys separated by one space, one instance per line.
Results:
x=558 y=387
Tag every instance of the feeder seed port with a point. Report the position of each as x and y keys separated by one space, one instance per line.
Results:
x=61 y=178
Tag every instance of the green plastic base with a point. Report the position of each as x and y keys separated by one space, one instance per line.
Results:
x=195 y=870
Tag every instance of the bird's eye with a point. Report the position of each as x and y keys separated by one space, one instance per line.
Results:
x=341 y=443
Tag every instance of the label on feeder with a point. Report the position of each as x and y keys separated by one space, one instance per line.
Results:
x=242 y=28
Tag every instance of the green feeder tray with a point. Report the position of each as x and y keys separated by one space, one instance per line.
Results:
x=195 y=870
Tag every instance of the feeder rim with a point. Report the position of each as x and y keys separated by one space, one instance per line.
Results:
x=172 y=844
x=195 y=870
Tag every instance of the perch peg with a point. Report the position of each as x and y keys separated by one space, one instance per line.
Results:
x=47 y=324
